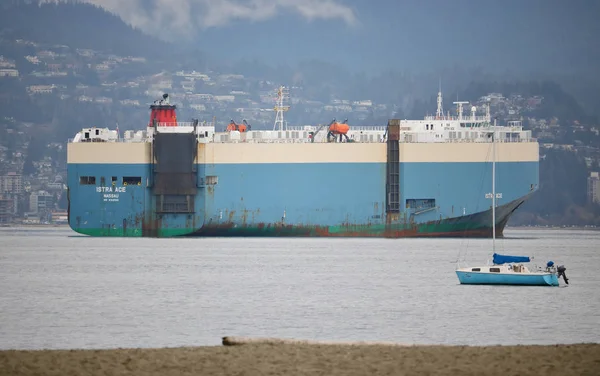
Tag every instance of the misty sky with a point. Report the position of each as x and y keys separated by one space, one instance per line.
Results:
x=527 y=35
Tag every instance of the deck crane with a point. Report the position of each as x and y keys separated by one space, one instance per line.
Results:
x=314 y=134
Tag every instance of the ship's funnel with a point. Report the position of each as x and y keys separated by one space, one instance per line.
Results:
x=163 y=113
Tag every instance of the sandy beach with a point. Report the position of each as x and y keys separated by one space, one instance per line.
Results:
x=303 y=359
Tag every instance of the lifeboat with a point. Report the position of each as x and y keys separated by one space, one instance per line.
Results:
x=339 y=128
x=233 y=126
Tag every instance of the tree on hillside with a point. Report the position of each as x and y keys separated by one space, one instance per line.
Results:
x=35 y=151
x=79 y=25
x=563 y=183
x=556 y=102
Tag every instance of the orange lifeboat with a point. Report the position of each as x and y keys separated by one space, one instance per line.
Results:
x=339 y=128
x=233 y=126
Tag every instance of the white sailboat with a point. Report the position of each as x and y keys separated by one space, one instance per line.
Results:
x=506 y=269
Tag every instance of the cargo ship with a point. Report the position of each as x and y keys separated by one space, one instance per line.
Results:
x=409 y=178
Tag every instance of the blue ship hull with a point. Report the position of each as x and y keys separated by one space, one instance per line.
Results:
x=516 y=279
x=300 y=199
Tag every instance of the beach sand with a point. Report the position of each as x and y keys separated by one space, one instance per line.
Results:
x=303 y=359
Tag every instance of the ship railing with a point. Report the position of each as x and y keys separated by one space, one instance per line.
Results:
x=303 y=140
x=302 y=136
x=368 y=128
x=92 y=140
x=177 y=124
x=466 y=117
x=120 y=139
x=294 y=128
x=310 y=128
x=466 y=141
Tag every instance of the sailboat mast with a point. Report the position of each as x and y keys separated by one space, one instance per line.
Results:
x=494 y=188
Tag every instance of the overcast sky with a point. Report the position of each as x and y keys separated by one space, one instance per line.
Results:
x=551 y=35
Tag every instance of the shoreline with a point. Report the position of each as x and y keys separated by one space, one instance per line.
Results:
x=540 y=227
x=306 y=358
x=19 y=225
x=561 y=227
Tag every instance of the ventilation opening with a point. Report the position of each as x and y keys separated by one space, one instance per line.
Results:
x=87 y=180
x=212 y=180
x=132 y=180
x=175 y=204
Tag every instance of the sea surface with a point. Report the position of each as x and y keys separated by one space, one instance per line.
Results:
x=60 y=290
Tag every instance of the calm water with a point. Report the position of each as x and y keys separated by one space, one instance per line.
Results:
x=61 y=290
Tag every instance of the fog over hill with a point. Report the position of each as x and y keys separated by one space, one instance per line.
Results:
x=524 y=37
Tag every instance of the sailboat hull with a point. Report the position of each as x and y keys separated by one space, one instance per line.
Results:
x=516 y=279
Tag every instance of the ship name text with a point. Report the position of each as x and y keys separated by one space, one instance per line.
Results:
x=111 y=189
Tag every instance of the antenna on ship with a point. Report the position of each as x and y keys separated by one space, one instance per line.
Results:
x=459 y=104
x=440 y=106
x=280 y=108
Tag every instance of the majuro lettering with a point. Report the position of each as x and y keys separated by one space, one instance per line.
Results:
x=111 y=194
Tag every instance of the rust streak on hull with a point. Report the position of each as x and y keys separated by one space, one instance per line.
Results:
x=474 y=226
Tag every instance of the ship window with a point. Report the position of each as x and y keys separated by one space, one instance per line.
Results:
x=476 y=269
x=494 y=270
x=86 y=135
x=132 y=180
x=97 y=132
x=212 y=180
x=114 y=180
x=87 y=180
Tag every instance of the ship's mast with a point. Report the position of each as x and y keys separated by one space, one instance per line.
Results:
x=282 y=95
x=494 y=188
x=440 y=103
x=459 y=104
